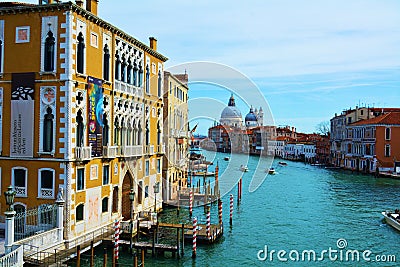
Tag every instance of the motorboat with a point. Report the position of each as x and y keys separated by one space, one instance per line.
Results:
x=392 y=218
x=226 y=158
x=244 y=168
x=271 y=171
x=282 y=163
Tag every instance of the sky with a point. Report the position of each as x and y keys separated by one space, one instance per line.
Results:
x=309 y=59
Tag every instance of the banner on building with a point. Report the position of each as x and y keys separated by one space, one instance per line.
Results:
x=95 y=95
x=1 y=118
x=22 y=115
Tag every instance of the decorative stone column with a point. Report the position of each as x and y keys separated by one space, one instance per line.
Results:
x=9 y=231
x=60 y=214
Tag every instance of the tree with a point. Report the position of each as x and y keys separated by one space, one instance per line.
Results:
x=323 y=128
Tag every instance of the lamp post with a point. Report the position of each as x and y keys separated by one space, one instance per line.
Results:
x=131 y=198
x=9 y=238
x=156 y=188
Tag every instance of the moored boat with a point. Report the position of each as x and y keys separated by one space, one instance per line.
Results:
x=392 y=218
x=282 y=163
x=226 y=158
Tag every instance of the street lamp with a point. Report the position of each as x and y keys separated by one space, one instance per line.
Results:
x=9 y=232
x=10 y=195
x=131 y=198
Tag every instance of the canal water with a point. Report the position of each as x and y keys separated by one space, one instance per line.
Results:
x=298 y=210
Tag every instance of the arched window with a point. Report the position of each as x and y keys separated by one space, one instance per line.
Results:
x=139 y=136
x=123 y=69
x=134 y=134
x=140 y=76
x=117 y=66
x=158 y=134
x=159 y=83
x=79 y=129
x=80 y=55
x=122 y=141
x=49 y=52
x=115 y=200
x=79 y=211
x=129 y=72
x=147 y=79
x=147 y=133
x=48 y=126
x=116 y=132
x=135 y=74
x=106 y=63
x=106 y=129
x=46 y=183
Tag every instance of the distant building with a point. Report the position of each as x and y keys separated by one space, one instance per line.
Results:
x=175 y=134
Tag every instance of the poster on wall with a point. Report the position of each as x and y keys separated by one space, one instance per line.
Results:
x=22 y=115
x=1 y=119
x=95 y=95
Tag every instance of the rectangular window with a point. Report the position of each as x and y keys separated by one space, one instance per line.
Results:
x=147 y=168
x=106 y=174
x=146 y=191
x=20 y=181
x=22 y=34
x=79 y=212
x=387 y=151
x=387 y=133
x=94 y=39
x=104 y=204
x=80 y=179
x=46 y=183
x=158 y=165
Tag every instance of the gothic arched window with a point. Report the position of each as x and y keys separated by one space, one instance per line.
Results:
x=117 y=66
x=147 y=79
x=147 y=133
x=80 y=55
x=140 y=76
x=106 y=66
x=106 y=128
x=49 y=52
x=48 y=126
x=135 y=74
x=159 y=83
x=79 y=129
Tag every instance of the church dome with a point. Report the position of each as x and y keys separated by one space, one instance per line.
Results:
x=251 y=116
x=231 y=112
x=231 y=115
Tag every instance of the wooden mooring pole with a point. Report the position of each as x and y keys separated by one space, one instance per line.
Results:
x=231 y=209
x=105 y=257
x=178 y=256
x=91 y=254
x=78 y=256
x=183 y=240
x=142 y=258
x=194 y=249
x=135 y=260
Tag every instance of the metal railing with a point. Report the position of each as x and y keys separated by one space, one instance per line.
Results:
x=34 y=221
x=127 y=88
x=13 y=259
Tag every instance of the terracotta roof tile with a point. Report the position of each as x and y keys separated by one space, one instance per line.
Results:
x=385 y=119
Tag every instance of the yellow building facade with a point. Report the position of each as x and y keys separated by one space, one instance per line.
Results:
x=81 y=113
x=176 y=119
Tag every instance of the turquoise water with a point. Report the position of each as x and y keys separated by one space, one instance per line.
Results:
x=301 y=207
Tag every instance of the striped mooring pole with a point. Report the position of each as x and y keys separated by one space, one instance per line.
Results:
x=208 y=223
x=220 y=211
x=194 y=237
x=116 y=241
x=231 y=209
x=190 y=202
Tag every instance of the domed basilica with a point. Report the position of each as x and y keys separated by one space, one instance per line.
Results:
x=231 y=116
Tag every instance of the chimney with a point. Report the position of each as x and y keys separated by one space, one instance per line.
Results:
x=91 y=6
x=153 y=43
x=79 y=3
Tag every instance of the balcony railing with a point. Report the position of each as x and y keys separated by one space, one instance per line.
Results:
x=110 y=152
x=149 y=149
x=47 y=193
x=129 y=89
x=161 y=149
x=83 y=153
x=21 y=191
x=14 y=258
x=132 y=151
